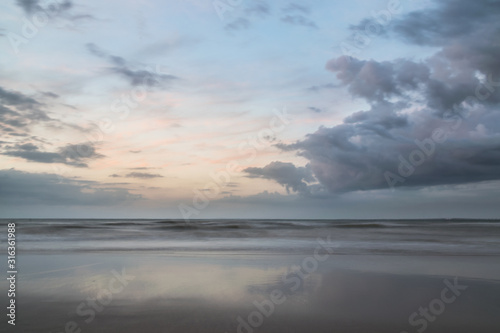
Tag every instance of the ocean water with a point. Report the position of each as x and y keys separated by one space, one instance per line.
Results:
x=408 y=237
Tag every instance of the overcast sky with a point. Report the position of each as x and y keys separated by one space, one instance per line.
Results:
x=250 y=108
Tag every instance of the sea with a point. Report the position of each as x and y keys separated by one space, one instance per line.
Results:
x=408 y=237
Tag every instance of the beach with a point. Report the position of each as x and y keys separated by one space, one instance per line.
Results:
x=220 y=276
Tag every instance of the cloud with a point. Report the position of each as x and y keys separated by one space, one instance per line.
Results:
x=27 y=147
x=291 y=177
x=256 y=9
x=32 y=6
x=72 y=154
x=18 y=111
x=449 y=19
x=24 y=188
x=143 y=175
x=428 y=122
x=293 y=7
x=53 y=9
x=318 y=88
x=315 y=109
x=299 y=20
x=292 y=14
x=49 y=94
x=168 y=45
x=238 y=24
x=14 y=98
x=136 y=77
x=297 y=15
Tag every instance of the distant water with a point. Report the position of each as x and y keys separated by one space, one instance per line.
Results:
x=410 y=237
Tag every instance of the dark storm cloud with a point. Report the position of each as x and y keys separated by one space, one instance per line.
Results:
x=136 y=77
x=291 y=177
x=73 y=155
x=143 y=175
x=24 y=188
x=450 y=19
x=429 y=122
x=467 y=31
x=377 y=81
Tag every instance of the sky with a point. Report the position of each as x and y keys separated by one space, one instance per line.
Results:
x=250 y=109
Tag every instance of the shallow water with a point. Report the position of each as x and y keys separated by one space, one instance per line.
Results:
x=256 y=276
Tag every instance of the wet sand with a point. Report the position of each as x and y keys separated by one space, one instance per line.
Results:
x=264 y=292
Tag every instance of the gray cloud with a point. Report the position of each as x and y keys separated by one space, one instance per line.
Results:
x=297 y=15
x=27 y=147
x=253 y=10
x=143 y=175
x=168 y=45
x=299 y=20
x=24 y=188
x=258 y=8
x=318 y=88
x=71 y=154
x=18 y=111
x=53 y=9
x=293 y=8
x=429 y=122
x=14 y=98
x=292 y=14
x=238 y=24
x=33 y=6
x=449 y=19
x=62 y=11
x=291 y=177
x=49 y=94
x=136 y=77
x=315 y=109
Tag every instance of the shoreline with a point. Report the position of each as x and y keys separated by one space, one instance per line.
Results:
x=209 y=293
